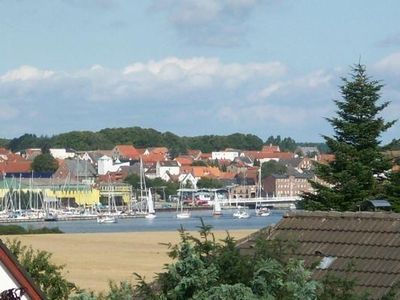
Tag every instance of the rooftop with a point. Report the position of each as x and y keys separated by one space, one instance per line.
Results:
x=369 y=242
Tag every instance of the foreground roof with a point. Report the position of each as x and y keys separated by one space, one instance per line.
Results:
x=364 y=246
x=13 y=272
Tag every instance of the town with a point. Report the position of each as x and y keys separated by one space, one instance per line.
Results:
x=83 y=178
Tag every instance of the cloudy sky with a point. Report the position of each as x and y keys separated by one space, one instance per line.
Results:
x=265 y=67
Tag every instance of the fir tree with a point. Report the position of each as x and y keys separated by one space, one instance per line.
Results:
x=353 y=176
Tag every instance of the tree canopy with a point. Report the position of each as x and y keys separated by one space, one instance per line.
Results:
x=272 y=167
x=352 y=177
x=44 y=163
x=139 y=137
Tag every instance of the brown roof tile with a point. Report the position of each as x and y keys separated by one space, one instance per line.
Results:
x=369 y=242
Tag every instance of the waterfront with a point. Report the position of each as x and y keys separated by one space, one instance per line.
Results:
x=165 y=221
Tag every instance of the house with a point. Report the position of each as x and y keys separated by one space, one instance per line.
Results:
x=228 y=154
x=94 y=156
x=263 y=157
x=14 y=277
x=125 y=152
x=14 y=165
x=195 y=154
x=76 y=170
x=62 y=153
x=270 y=149
x=184 y=160
x=106 y=164
x=360 y=246
x=307 y=151
x=31 y=153
x=299 y=163
x=186 y=178
x=171 y=167
x=291 y=184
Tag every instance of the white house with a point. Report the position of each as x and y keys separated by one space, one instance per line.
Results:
x=61 y=153
x=184 y=178
x=105 y=164
x=225 y=155
x=168 y=166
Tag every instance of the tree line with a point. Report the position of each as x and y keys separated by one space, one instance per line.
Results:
x=107 y=138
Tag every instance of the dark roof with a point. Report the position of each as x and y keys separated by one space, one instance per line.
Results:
x=379 y=203
x=369 y=241
x=82 y=168
x=291 y=171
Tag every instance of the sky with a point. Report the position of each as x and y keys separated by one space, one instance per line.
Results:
x=264 y=67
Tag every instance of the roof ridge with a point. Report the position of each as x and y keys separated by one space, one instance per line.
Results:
x=346 y=214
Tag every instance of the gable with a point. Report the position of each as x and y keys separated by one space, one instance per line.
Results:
x=13 y=276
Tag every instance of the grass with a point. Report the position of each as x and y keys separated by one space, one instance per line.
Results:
x=16 y=229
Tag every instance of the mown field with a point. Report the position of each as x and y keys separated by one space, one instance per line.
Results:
x=92 y=259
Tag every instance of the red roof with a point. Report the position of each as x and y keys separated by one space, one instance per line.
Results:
x=127 y=151
x=326 y=158
x=270 y=149
x=15 y=167
x=263 y=155
x=153 y=158
x=184 y=160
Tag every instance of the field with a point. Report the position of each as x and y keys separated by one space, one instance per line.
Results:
x=92 y=259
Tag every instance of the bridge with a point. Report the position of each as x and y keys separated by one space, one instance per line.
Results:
x=274 y=202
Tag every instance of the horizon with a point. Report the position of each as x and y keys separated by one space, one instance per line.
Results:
x=192 y=68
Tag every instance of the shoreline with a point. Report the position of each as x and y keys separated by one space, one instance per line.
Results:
x=92 y=259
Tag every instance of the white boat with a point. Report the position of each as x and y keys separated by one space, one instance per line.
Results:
x=263 y=212
x=183 y=215
x=151 y=213
x=180 y=213
x=241 y=213
x=217 y=206
x=106 y=219
x=110 y=216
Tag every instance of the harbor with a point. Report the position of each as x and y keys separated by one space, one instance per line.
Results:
x=165 y=221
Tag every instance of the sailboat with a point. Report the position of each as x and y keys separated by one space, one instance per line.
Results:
x=180 y=213
x=109 y=217
x=261 y=211
x=217 y=206
x=151 y=214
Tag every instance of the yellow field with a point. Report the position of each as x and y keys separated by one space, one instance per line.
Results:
x=92 y=259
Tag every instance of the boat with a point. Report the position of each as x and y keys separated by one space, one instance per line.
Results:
x=241 y=213
x=109 y=217
x=151 y=214
x=106 y=219
x=180 y=213
x=217 y=206
x=262 y=211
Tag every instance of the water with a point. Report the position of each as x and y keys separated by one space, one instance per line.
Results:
x=165 y=221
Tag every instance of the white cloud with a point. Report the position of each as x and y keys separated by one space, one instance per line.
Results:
x=26 y=73
x=183 y=95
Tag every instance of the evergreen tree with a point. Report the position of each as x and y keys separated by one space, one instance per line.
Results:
x=351 y=177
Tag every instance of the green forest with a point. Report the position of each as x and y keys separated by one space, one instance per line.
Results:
x=147 y=137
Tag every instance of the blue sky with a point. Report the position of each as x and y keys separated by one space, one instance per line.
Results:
x=265 y=67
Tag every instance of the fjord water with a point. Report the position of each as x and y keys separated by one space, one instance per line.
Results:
x=165 y=221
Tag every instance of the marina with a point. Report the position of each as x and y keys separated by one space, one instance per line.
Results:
x=165 y=221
